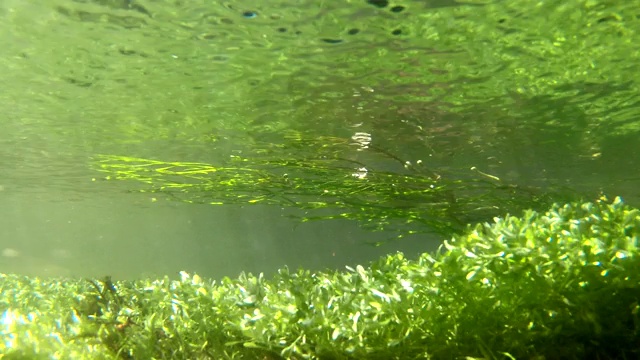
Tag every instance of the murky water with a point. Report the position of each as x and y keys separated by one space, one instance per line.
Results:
x=538 y=95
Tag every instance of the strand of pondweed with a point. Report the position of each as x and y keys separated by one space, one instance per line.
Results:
x=328 y=188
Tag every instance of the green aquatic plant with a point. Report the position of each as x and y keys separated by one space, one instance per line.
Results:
x=556 y=284
x=326 y=184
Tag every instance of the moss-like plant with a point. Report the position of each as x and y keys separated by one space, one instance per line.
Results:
x=559 y=284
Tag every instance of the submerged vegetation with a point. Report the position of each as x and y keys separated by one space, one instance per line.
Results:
x=539 y=80
x=556 y=284
x=327 y=184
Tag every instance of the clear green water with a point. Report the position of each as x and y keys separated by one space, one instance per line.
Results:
x=541 y=95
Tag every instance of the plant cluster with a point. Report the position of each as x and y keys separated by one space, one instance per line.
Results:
x=559 y=284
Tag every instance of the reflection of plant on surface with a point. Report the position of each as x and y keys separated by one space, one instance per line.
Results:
x=328 y=185
x=558 y=284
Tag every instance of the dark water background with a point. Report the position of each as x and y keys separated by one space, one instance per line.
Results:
x=540 y=95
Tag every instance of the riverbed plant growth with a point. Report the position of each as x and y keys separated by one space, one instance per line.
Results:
x=556 y=284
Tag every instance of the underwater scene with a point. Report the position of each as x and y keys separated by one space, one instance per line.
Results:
x=338 y=179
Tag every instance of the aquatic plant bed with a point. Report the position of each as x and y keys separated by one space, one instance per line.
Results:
x=561 y=284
